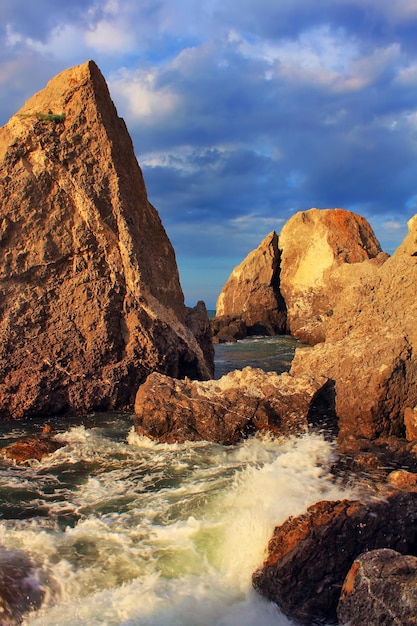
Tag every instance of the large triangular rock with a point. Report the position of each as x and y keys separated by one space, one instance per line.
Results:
x=90 y=299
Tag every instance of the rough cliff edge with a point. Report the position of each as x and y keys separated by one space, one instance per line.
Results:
x=292 y=281
x=90 y=298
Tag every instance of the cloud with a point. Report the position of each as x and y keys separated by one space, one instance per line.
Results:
x=241 y=113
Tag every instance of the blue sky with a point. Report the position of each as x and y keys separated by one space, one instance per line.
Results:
x=242 y=112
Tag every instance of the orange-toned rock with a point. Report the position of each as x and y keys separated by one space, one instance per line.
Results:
x=251 y=294
x=314 y=244
x=310 y=556
x=225 y=410
x=90 y=296
x=35 y=447
x=371 y=347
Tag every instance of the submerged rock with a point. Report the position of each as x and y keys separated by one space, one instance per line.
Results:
x=90 y=296
x=20 y=591
x=309 y=556
x=225 y=410
x=380 y=588
x=34 y=447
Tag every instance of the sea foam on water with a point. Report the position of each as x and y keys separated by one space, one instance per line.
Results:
x=162 y=534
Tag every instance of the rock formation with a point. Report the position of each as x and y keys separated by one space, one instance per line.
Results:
x=309 y=556
x=370 y=349
x=292 y=282
x=380 y=588
x=251 y=295
x=313 y=245
x=225 y=410
x=90 y=299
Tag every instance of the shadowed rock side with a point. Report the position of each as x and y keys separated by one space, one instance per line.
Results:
x=309 y=556
x=250 y=303
x=226 y=410
x=370 y=350
x=20 y=590
x=90 y=296
x=292 y=282
x=380 y=588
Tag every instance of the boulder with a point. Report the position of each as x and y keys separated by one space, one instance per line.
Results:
x=309 y=556
x=90 y=298
x=225 y=410
x=380 y=588
x=34 y=447
x=251 y=293
x=370 y=349
x=20 y=591
x=313 y=245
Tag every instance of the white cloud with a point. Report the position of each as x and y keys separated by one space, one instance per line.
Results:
x=140 y=95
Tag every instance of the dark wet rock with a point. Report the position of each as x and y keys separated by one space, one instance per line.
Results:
x=309 y=556
x=20 y=591
x=380 y=588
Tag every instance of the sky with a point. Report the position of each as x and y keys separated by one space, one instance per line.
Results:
x=242 y=112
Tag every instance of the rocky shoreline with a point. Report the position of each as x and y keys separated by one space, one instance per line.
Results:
x=93 y=318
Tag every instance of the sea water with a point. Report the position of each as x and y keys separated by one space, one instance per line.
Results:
x=125 y=531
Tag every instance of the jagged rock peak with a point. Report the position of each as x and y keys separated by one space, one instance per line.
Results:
x=91 y=299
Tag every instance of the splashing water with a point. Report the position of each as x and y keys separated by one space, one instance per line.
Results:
x=124 y=531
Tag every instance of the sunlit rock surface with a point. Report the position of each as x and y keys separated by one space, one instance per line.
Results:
x=226 y=410
x=370 y=349
x=314 y=244
x=90 y=299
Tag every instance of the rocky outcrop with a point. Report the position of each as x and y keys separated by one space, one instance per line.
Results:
x=251 y=294
x=380 y=588
x=34 y=447
x=370 y=350
x=309 y=556
x=313 y=245
x=225 y=410
x=20 y=591
x=90 y=299
x=292 y=282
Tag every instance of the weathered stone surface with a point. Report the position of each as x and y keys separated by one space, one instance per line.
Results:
x=34 y=447
x=370 y=349
x=90 y=299
x=251 y=293
x=225 y=410
x=309 y=556
x=20 y=592
x=313 y=245
x=380 y=588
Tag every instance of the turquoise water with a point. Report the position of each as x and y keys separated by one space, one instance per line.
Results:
x=125 y=531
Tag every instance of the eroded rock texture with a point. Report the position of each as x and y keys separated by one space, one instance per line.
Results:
x=313 y=245
x=370 y=349
x=90 y=299
x=225 y=410
x=251 y=299
x=309 y=556
x=380 y=588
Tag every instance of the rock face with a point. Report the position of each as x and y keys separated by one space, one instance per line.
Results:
x=293 y=281
x=370 y=349
x=225 y=410
x=309 y=556
x=252 y=294
x=313 y=245
x=90 y=299
x=380 y=588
